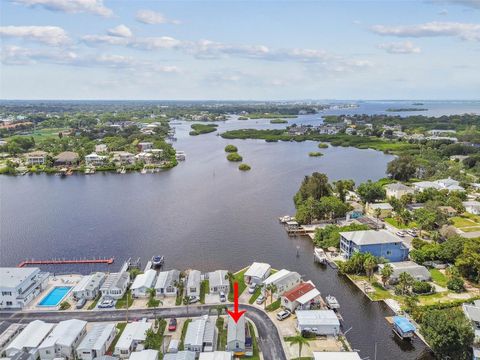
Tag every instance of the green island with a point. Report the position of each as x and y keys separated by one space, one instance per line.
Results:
x=199 y=129
x=405 y=109
x=315 y=154
x=244 y=167
x=231 y=148
x=322 y=146
x=234 y=157
x=278 y=121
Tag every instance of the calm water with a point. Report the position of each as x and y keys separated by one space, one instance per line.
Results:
x=203 y=214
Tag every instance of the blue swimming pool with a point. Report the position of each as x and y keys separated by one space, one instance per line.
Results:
x=55 y=296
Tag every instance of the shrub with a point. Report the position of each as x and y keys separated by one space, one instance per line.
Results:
x=244 y=167
x=456 y=284
x=234 y=157
x=420 y=287
x=231 y=148
x=322 y=146
x=65 y=305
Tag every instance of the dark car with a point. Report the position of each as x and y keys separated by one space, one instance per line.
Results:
x=172 y=325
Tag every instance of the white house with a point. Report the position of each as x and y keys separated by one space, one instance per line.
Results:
x=442 y=184
x=9 y=334
x=142 y=283
x=115 y=284
x=167 y=281
x=144 y=355
x=63 y=340
x=472 y=207
x=193 y=283
x=257 y=273
x=101 y=148
x=397 y=190
x=97 y=341
x=201 y=335
x=30 y=338
x=384 y=209
x=303 y=297
x=134 y=333
x=89 y=286
x=236 y=336
x=216 y=355
x=343 y=355
x=19 y=286
x=123 y=157
x=36 y=157
x=144 y=146
x=284 y=280
x=218 y=281
x=95 y=159
x=472 y=312
x=320 y=322
x=181 y=355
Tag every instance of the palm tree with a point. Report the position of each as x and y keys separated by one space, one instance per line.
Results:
x=300 y=341
x=369 y=265
x=378 y=212
x=271 y=289
x=386 y=272
x=405 y=280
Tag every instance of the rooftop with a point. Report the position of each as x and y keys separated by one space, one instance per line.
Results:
x=135 y=331
x=167 y=278
x=32 y=335
x=64 y=333
x=216 y=355
x=315 y=317
x=97 y=336
x=370 y=237
x=218 y=278
x=257 y=269
x=195 y=332
x=144 y=280
x=398 y=186
x=336 y=356
x=193 y=279
x=144 y=355
x=181 y=355
x=236 y=330
x=299 y=291
x=12 y=277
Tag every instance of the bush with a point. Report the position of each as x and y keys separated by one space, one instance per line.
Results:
x=65 y=305
x=456 y=284
x=234 y=157
x=421 y=287
x=322 y=146
x=244 y=167
x=278 y=121
x=315 y=154
x=231 y=148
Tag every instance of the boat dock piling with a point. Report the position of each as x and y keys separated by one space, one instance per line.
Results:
x=108 y=261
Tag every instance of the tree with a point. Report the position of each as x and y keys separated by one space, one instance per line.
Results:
x=411 y=302
x=300 y=341
x=307 y=211
x=386 y=273
x=331 y=207
x=371 y=191
x=369 y=264
x=449 y=333
x=271 y=288
x=315 y=186
x=378 y=212
x=402 y=168
x=425 y=219
x=468 y=262
x=405 y=280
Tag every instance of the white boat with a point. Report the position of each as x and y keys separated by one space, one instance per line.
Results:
x=332 y=302
x=319 y=256
x=286 y=218
x=144 y=171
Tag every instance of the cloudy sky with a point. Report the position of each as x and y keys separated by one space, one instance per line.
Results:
x=114 y=49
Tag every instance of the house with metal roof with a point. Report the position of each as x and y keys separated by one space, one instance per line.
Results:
x=384 y=209
x=216 y=355
x=19 y=286
x=30 y=338
x=257 y=273
x=397 y=190
x=218 y=281
x=89 y=286
x=284 y=280
x=148 y=354
x=302 y=297
x=97 y=341
x=201 y=335
x=236 y=336
x=115 y=284
x=63 y=340
x=472 y=207
x=134 y=334
x=418 y=272
x=166 y=284
x=143 y=283
x=380 y=243
x=319 y=322
x=10 y=332
x=193 y=283
x=181 y=355
x=343 y=355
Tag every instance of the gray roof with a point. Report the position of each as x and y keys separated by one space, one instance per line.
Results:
x=12 y=277
x=193 y=278
x=67 y=156
x=382 y=206
x=97 y=336
x=397 y=186
x=472 y=312
x=236 y=330
x=115 y=280
x=181 y=355
x=167 y=278
x=418 y=272
x=90 y=282
x=370 y=237
x=218 y=278
x=317 y=317
x=195 y=332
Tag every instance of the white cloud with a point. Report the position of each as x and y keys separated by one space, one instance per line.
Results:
x=50 y=35
x=406 y=47
x=152 y=17
x=143 y=43
x=465 y=31
x=70 y=6
x=16 y=55
x=120 y=31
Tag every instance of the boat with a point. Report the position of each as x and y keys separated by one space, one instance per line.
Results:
x=123 y=171
x=286 y=218
x=403 y=327
x=89 y=171
x=332 y=302
x=143 y=171
x=319 y=256
x=157 y=261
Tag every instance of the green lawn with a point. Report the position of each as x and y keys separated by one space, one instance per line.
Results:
x=120 y=328
x=394 y=222
x=380 y=293
x=467 y=222
x=238 y=277
x=204 y=289
x=222 y=334
x=122 y=303
x=42 y=134
x=274 y=306
x=184 y=332
x=438 y=277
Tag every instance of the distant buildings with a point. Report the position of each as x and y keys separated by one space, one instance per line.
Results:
x=472 y=312
x=19 y=286
x=397 y=190
x=472 y=207
x=384 y=210
x=101 y=148
x=94 y=159
x=442 y=184
x=36 y=157
x=66 y=158
x=144 y=146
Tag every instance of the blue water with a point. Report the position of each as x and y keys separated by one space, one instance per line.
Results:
x=55 y=296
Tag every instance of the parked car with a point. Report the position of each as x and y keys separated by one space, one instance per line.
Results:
x=282 y=315
x=193 y=299
x=80 y=303
x=172 y=325
x=400 y=233
x=106 y=303
x=261 y=299
x=223 y=298
x=252 y=289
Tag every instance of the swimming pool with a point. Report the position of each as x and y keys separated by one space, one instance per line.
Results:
x=55 y=296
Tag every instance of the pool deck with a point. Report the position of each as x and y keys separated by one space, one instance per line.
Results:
x=55 y=281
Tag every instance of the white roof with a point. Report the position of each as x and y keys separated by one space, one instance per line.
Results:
x=90 y=282
x=279 y=275
x=14 y=276
x=218 y=278
x=382 y=206
x=144 y=280
x=144 y=355
x=471 y=203
x=336 y=355
x=167 y=278
x=398 y=186
x=236 y=330
x=97 y=336
x=195 y=332
x=115 y=280
x=426 y=184
x=181 y=355
x=135 y=331
x=31 y=336
x=312 y=294
x=258 y=270
x=317 y=317
x=370 y=237
x=64 y=333
x=216 y=355
x=193 y=278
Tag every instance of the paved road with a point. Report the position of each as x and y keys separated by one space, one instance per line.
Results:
x=268 y=337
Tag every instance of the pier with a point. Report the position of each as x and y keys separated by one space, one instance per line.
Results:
x=24 y=263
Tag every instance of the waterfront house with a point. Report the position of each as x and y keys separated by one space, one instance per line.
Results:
x=340 y=355
x=397 y=190
x=302 y=297
x=95 y=159
x=201 y=335
x=101 y=148
x=472 y=313
x=319 y=322
x=144 y=157
x=380 y=243
x=384 y=208
x=216 y=355
x=123 y=157
x=472 y=207
x=167 y=282
x=181 y=355
x=97 y=341
x=142 y=284
x=418 y=272
x=29 y=339
x=63 y=340
x=284 y=280
x=144 y=355
x=442 y=184
x=19 y=286
x=66 y=158
x=193 y=283
x=89 y=286
x=115 y=285
x=36 y=157
x=218 y=282
x=134 y=334
x=143 y=146
x=257 y=273
x=236 y=336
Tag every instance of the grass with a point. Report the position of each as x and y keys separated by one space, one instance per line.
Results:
x=153 y=303
x=204 y=289
x=122 y=303
x=438 y=277
x=431 y=299
x=255 y=295
x=222 y=334
x=238 y=277
x=395 y=223
x=234 y=157
x=184 y=332
x=120 y=328
x=156 y=340
x=65 y=305
x=274 y=306
x=380 y=293
x=93 y=305
x=467 y=222
x=256 y=355
x=42 y=134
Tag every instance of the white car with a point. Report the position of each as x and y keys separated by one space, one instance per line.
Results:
x=400 y=233
x=282 y=315
x=252 y=289
x=261 y=299
x=223 y=298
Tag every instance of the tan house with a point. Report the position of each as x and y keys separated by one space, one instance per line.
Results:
x=397 y=190
x=385 y=210
x=66 y=158
x=36 y=157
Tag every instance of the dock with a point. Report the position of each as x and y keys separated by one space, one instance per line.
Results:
x=24 y=263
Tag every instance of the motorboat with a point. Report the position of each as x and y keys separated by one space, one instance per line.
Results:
x=157 y=261
x=332 y=302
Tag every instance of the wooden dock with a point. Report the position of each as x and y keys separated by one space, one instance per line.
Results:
x=24 y=263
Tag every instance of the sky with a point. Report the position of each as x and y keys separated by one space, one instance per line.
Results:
x=244 y=50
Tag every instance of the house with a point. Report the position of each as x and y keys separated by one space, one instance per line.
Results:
x=397 y=190
x=448 y=210
x=380 y=243
x=236 y=336
x=257 y=273
x=63 y=340
x=142 y=283
x=19 y=286
x=143 y=146
x=193 y=283
x=144 y=355
x=216 y=355
x=472 y=313
x=144 y=157
x=319 y=322
x=95 y=160
x=385 y=210
x=101 y=148
x=414 y=206
x=167 y=282
x=115 y=285
x=134 y=334
x=356 y=212
x=472 y=207
x=283 y=280
x=29 y=339
x=442 y=184
x=66 y=158
x=181 y=355
x=201 y=335
x=89 y=286
x=218 y=282
x=36 y=157
x=123 y=157
x=97 y=341
x=439 y=132
x=422 y=185
x=303 y=297
x=418 y=272
x=9 y=334
x=343 y=355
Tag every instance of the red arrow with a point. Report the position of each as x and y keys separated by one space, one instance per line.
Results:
x=235 y=314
